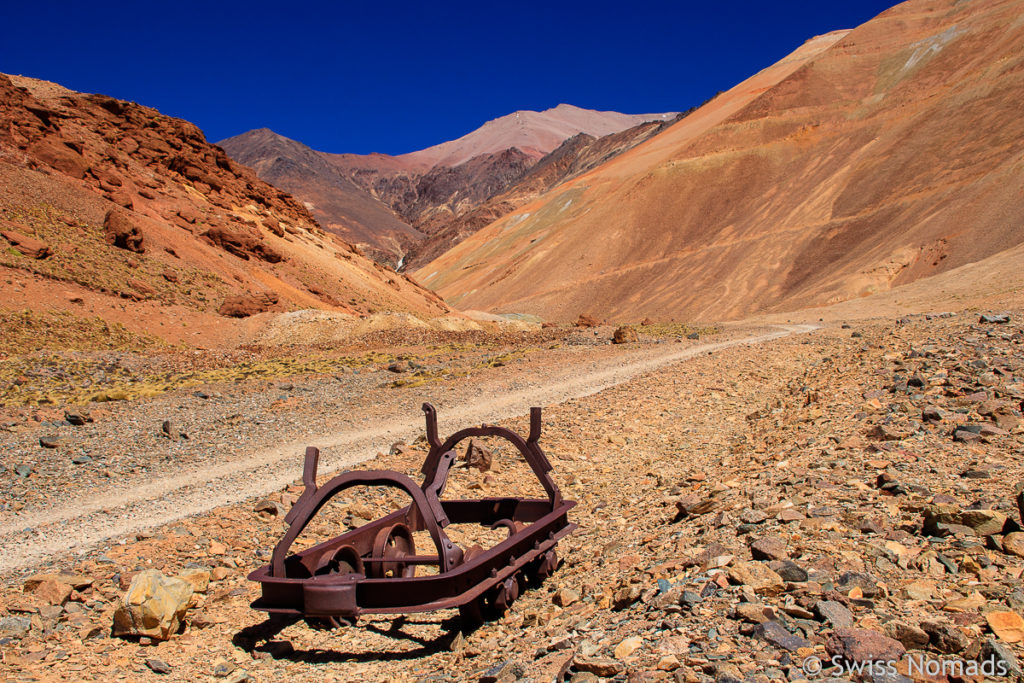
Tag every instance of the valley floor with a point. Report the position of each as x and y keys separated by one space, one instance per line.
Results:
x=740 y=512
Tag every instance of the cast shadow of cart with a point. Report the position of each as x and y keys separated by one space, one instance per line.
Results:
x=263 y=638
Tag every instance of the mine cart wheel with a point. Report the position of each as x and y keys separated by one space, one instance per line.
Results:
x=392 y=544
x=345 y=560
x=543 y=567
x=507 y=593
x=548 y=565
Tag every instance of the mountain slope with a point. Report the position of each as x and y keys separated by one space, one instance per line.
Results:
x=389 y=203
x=862 y=161
x=109 y=209
x=338 y=204
x=575 y=156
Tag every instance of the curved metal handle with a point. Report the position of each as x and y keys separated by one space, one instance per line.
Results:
x=449 y=555
x=441 y=456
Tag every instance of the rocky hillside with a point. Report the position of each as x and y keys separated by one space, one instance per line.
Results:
x=575 y=156
x=340 y=204
x=862 y=161
x=391 y=204
x=111 y=211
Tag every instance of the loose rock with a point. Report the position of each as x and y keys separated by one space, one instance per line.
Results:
x=154 y=606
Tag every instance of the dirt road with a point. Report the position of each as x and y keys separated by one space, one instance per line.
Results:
x=73 y=524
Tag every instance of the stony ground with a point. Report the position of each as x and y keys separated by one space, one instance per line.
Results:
x=848 y=493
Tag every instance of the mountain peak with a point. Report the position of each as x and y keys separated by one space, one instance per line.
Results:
x=534 y=132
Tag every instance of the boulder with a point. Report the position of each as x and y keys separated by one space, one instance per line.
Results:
x=834 y=613
x=1008 y=626
x=154 y=606
x=142 y=288
x=587 y=321
x=478 y=456
x=274 y=226
x=76 y=581
x=624 y=335
x=122 y=198
x=58 y=155
x=945 y=637
x=984 y=522
x=565 y=597
x=121 y=231
x=769 y=548
x=15 y=627
x=773 y=632
x=1000 y=656
x=242 y=244
x=944 y=519
x=197 y=577
x=605 y=667
x=51 y=591
x=244 y=305
x=270 y=507
x=29 y=246
x=188 y=215
x=1013 y=543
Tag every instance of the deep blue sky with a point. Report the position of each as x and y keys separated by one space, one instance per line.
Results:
x=390 y=76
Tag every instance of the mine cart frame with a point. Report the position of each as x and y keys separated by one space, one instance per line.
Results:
x=370 y=570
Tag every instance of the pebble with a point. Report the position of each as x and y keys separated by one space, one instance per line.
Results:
x=158 y=665
x=773 y=632
x=910 y=636
x=627 y=647
x=945 y=637
x=758 y=576
x=222 y=668
x=834 y=613
x=565 y=597
x=791 y=486
x=604 y=667
x=863 y=645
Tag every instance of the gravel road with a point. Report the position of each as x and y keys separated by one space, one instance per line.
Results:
x=85 y=517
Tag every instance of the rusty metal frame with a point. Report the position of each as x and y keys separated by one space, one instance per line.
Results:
x=335 y=578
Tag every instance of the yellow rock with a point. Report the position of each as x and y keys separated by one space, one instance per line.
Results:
x=198 y=578
x=76 y=581
x=628 y=647
x=154 y=606
x=1007 y=625
x=968 y=604
x=668 y=663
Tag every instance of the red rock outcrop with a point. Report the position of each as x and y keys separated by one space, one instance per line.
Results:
x=138 y=206
x=123 y=232
x=244 y=305
x=242 y=243
x=28 y=246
